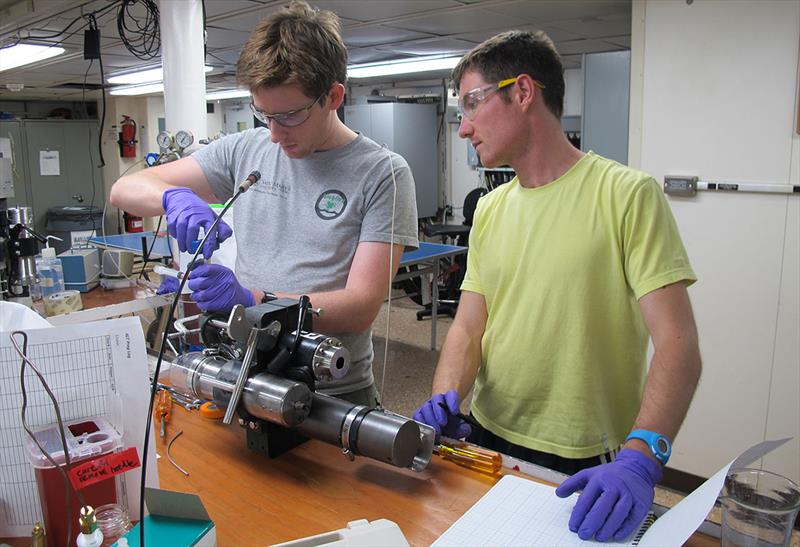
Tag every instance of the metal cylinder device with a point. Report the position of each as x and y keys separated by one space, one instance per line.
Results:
x=359 y=430
x=266 y=396
x=328 y=358
x=375 y=433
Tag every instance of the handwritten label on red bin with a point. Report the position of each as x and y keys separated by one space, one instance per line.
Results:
x=104 y=467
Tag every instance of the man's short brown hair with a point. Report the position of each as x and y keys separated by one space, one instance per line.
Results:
x=295 y=45
x=513 y=53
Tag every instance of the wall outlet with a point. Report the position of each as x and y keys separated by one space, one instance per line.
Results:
x=678 y=185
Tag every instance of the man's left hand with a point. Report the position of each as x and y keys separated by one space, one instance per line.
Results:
x=215 y=288
x=616 y=496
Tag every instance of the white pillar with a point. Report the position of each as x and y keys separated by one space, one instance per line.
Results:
x=182 y=57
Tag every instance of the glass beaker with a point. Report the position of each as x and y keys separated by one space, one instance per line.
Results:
x=758 y=508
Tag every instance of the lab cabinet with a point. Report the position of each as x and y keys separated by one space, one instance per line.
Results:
x=410 y=130
x=56 y=162
x=79 y=180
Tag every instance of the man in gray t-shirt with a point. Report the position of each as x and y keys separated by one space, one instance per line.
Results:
x=298 y=229
x=333 y=210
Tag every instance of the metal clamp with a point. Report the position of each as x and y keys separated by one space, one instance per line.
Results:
x=252 y=341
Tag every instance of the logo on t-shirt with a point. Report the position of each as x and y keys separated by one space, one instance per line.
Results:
x=330 y=204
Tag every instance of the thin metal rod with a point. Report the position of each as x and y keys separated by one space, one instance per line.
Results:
x=169 y=456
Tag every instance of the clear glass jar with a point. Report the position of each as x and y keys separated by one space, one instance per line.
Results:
x=113 y=521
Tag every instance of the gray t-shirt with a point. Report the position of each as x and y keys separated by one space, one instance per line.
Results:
x=297 y=229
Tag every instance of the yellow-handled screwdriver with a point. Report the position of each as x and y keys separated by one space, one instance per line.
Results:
x=471 y=456
x=163 y=409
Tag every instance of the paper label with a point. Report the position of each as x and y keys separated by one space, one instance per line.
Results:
x=49 y=163
x=104 y=467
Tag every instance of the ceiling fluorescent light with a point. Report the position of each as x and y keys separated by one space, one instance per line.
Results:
x=227 y=94
x=25 y=54
x=155 y=74
x=404 y=66
x=157 y=87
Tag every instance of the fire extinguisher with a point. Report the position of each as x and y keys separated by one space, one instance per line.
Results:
x=127 y=137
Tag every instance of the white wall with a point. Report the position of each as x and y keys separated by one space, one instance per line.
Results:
x=719 y=100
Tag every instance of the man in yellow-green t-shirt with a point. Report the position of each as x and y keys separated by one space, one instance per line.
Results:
x=572 y=267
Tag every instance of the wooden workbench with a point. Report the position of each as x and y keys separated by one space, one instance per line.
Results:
x=313 y=488
x=255 y=501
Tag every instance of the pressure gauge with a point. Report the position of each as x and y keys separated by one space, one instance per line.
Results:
x=165 y=140
x=184 y=139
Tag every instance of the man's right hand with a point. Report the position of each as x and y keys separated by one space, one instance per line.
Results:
x=444 y=421
x=186 y=214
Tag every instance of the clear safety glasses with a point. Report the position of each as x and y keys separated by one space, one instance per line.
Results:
x=293 y=118
x=469 y=103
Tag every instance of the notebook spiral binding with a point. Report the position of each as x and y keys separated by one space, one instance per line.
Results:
x=646 y=523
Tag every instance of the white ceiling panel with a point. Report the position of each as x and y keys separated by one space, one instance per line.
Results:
x=228 y=56
x=431 y=46
x=545 y=11
x=360 y=55
x=224 y=38
x=378 y=35
x=242 y=23
x=118 y=56
x=597 y=28
x=216 y=8
x=623 y=41
x=377 y=10
x=555 y=34
x=585 y=46
x=458 y=22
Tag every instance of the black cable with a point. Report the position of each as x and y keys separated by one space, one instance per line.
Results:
x=103 y=115
x=142 y=39
x=150 y=251
x=157 y=371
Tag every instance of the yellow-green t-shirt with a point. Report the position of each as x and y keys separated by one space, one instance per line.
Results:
x=561 y=268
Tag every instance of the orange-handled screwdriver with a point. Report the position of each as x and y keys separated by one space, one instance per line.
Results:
x=471 y=456
x=163 y=409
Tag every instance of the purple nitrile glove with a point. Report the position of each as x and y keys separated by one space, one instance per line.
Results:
x=186 y=214
x=445 y=422
x=168 y=285
x=215 y=288
x=616 y=496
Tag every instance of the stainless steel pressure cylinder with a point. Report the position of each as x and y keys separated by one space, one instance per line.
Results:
x=266 y=396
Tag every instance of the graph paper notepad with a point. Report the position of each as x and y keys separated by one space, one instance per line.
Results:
x=95 y=370
x=521 y=512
